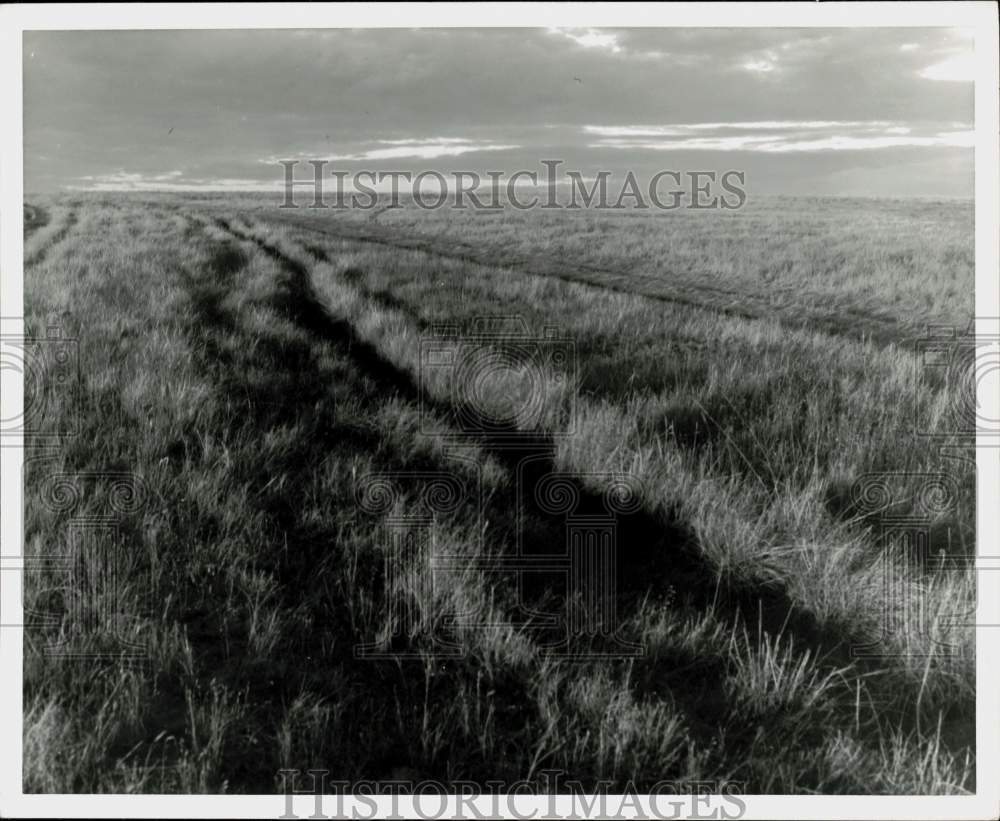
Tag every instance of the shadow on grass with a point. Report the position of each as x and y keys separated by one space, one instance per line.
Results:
x=655 y=551
x=279 y=385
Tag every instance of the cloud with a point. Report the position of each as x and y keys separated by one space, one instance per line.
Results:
x=766 y=61
x=98 y=102
x=691 y=144
x=416 y=141
x=958 y=139
x=132 y=181
x=960 y=68
x=955 y=139
x=768 y=125
x=779 y=137
x=408 y=148
x=128 y=178
x=759 y=66
x=423 y=149
x=591 y=38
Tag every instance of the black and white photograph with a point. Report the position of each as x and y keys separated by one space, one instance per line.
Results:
x=425 y=408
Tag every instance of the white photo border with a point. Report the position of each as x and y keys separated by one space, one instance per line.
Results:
x=14 y=20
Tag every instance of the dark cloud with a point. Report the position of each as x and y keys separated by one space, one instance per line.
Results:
x=214 y=104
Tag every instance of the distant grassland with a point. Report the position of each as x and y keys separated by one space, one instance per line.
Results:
x=747 y=372
x=863 y=265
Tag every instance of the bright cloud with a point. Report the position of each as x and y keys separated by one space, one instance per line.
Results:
x=590 y=38
x=131 y=181
x=959 y=69
x=762 y=125
x=778 y=137
x=759 y=66
x=691 y=144
x=423 y=150
x=412 y=141
x=762 y=62
x=418 y=149
x=128 y=178
x=961 y=139
x=954 y=139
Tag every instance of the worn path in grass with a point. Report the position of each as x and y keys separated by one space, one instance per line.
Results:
x=34 y=218
x=654 y=540
x=655 y=552
x=845 y=321
x=57 y=233
x=279 y=385
x=294 y=390
x=301 y=391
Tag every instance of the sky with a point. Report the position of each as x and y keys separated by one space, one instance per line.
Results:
x=831 y=112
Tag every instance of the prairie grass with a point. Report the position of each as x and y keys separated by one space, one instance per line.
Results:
x=251 y=373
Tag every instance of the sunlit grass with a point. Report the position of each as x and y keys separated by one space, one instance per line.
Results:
x=251 y=374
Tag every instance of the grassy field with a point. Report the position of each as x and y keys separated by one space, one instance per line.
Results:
x=743 y=385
